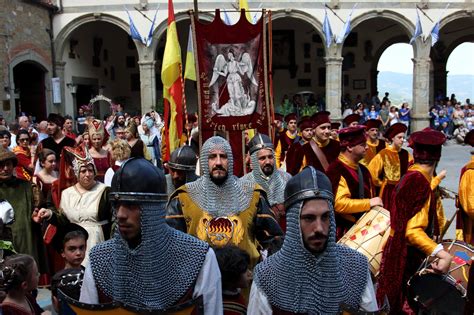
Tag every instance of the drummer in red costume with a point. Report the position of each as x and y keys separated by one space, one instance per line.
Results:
x=351 y=120
x=375 y=145
x=391 y=163
x=351 y=182
x=465 y=218
x=321 y=150
x=305 y=125
x=287 y=138
x=414 y=224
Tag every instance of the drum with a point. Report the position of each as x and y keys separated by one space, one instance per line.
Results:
x=369 y=235
x=443 y=294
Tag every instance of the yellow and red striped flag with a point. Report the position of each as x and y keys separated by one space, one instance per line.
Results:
x=173 y=92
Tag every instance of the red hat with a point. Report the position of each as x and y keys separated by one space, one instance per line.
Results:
x=291 y=116
x=320 y=118
x=427 y=144
x=278 y=117
x=352 y=136
x=335 y=125
x=373 y=123
x=350 y=119
x=469 y=139
x=394 y=130
x=305 y=122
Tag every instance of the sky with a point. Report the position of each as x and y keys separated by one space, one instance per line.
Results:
x=397 y=58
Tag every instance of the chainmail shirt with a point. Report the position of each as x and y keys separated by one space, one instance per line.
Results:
x=274 y=185
x=298 y=281
x=232 y=197
x=157 y=273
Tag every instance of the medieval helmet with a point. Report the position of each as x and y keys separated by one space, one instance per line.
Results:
x=260 y=141
x=183 y=158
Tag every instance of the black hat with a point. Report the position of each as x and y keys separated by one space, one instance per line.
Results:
x=61 y=230
x=308 y=184
x=183 y=158
x=260 y=141
x=138 y=180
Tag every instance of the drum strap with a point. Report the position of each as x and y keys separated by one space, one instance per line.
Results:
x=319 y=154
x=361 y=183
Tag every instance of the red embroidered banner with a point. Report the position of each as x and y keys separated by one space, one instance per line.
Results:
x=232 y=81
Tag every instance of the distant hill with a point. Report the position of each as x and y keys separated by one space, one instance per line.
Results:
x=400 y=86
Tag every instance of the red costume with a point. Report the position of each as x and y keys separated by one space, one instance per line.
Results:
x=295 y=151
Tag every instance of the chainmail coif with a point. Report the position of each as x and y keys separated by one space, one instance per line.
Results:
x=274 y=185
x=296 y=280
x=232 y=197
x=157 y=273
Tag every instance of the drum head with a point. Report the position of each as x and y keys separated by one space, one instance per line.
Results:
x=431 y=293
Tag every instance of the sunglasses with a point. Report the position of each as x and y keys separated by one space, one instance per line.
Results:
x=24 y=139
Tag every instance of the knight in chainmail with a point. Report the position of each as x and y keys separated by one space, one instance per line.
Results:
x=181 y=167
x=264 y=173
x=147 y=264
x=311 y=273
x=221 y=209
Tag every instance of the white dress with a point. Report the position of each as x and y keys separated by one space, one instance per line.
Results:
x=83 y=209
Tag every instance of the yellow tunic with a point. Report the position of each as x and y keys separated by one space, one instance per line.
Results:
x=415 y=231
x=371 y=153
x=234 y=230
x=279 y=148
x=388 y=161
x=344 y=204
x=466 y=199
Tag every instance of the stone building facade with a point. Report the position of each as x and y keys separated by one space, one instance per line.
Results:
x=94 y=53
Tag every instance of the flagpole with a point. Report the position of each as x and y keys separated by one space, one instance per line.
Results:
x=143 y=14
x=424 y=13
x=196 y=14
x=330 y=9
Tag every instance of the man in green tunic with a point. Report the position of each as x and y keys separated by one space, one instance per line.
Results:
x=26 y=235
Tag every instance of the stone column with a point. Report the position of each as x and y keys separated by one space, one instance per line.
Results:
x=61 y=108
x=421 y=93
x=334 y=86
x=147 y=85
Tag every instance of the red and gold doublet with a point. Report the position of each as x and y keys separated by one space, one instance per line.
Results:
x=331 y=150
x=386 y=168
x=294 y=157
x=416 y=219
x=372 y=150
x=345 y=184
x=465 y=218
x=286 y=139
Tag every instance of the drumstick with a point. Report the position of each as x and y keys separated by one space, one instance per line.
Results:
x=447 y=225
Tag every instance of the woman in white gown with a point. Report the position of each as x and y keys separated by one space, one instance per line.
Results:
x=86 y=202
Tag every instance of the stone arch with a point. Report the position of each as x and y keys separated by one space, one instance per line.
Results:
x=180 y=16
x=66 y=31
x=31 y=55
x=406 y=24
x=454 y=16
x=385 y=45
x=304 y=17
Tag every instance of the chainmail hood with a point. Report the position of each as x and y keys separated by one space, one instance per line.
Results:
x=296 y=280
x=274 y=185
x=232 y=197
x=164 y=266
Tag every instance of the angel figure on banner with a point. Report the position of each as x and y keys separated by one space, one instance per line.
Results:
x=240 y=102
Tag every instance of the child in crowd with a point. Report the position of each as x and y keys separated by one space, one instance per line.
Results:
x=70 y=241
x=236 y=275
x=69 y=281
x=18 y=278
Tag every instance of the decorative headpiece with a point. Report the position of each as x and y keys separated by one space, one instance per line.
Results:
x=321 y=117
x=350 y=119
x=352 y=136
x=394 y=130
x=96 y=126
x=80 y=158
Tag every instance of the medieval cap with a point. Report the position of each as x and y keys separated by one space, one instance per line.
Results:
x=352 y=136
x=373 y=123
x=279 y=117
x=394 y=130
x=335 y=125
x=291 y=116
x=321 y=117
x=305 y=122
x=350 y=119
x=427 y=144
x=61 y=230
